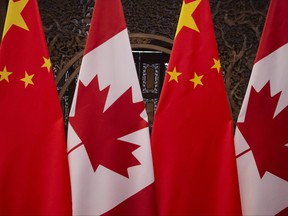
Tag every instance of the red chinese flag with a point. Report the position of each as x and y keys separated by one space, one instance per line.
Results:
x=34 y=174
x=261 y=136
x=108 y=138
x=192 y=136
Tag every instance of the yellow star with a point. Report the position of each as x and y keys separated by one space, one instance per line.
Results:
x=14 y=16
x=27 y=79
x=5 y=74
x=216 y=65
x=196 y=80
x=186 y=18
x=47 y=64
x=174 y=75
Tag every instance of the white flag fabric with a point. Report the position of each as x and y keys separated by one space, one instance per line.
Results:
x=261 y=135
x=108 y=137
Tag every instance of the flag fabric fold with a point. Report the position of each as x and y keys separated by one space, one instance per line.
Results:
x=108 y=137
x=34 y=173
x=192 y=136
x=261 y=133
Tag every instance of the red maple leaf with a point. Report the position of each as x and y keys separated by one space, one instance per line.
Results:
x=99 y=131
x=267 y=135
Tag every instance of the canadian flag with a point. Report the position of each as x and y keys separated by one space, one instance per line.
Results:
x=261 y=135
x=108 y=138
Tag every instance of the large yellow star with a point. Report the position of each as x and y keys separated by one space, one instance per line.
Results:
x=216 y=65
x=174 y=75
x=47 y=63
x=196 y=80
x=14 y=16
x=28 y=79
x=4 y=75
x=186 y=18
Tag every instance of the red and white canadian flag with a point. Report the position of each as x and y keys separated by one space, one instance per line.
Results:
x=108 y=138
x=261 y=136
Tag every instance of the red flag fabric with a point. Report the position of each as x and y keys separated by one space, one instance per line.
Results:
x=192 y=135
x=108 y=138
x=34 y=172
x=261 y=134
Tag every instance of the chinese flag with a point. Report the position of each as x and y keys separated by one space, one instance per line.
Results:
x=192 y=136
x=108 y=138
x=34 y=177
x=261 y=135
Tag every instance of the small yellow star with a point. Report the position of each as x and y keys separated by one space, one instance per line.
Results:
x=174 y=75
x=196 y=80
x=186 y=18
x=4 y=75
x=27 y=79
x=47 y=64
x=216 y=65
x=14 y=16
